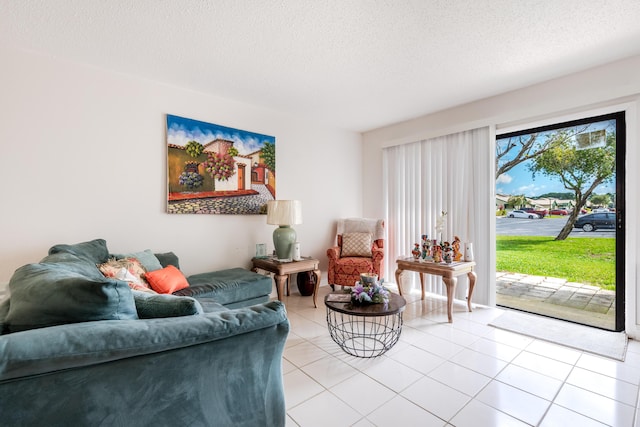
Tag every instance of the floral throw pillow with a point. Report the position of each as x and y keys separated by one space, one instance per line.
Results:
x=129 y=270
x=356 y=244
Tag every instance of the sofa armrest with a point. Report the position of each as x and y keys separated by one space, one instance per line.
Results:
x=56 y=348
x=222 y=369
x=333 y=253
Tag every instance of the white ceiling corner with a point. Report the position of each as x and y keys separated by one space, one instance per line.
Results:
x=356 y=65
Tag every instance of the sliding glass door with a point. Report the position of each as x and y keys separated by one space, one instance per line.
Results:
x=560 y=220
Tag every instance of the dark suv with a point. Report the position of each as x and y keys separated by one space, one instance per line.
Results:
x=594 y=221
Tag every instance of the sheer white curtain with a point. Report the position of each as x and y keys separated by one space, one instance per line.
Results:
x=452 y=173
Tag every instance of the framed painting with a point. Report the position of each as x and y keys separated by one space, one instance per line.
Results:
x=214 y=169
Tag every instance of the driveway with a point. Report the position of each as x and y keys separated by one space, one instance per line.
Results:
x=543 y=227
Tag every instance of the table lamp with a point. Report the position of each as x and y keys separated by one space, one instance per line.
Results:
x=284 y=214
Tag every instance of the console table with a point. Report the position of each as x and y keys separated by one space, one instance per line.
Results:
x=448 y=272
x=283 y=271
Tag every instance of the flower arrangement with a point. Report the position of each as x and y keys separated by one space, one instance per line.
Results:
x=369 y=293
x=440 y=224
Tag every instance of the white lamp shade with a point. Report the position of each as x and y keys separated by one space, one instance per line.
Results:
x=284 y=212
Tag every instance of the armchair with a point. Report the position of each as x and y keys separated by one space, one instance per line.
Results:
x=359 y=249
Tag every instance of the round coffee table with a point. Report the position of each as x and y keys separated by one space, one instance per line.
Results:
x=367 y=330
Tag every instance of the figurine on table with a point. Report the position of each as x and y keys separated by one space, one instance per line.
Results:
x=437 y=253
x=426 y=247
x=416 y=252
x=448 y=252
x=457 y=255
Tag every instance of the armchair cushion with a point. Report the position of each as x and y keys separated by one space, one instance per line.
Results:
x=359 y=249
x=356 y=244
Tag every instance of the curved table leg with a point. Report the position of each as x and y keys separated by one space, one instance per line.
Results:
x=472 y=282
x=280 y=281
x=315 y=288
x=399 y=280
x=450 y=282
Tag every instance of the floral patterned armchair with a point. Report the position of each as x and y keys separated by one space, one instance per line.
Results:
x=360 y=249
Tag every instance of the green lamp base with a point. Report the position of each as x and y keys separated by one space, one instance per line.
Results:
x=284 y=237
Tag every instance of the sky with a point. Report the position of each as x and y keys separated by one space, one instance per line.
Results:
x=519 y=179
x=181 y=130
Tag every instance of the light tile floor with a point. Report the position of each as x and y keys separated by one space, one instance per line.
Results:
x=461 y=374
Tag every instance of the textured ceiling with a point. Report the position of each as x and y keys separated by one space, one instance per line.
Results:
x=353 y=64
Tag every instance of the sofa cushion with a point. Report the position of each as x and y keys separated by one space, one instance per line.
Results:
x=168 y=258
x=209 y=305
x=147 y=258
x=151 y=306
x=356 y=244
x=94 y=251
x=77 y=264
x=48 y=294
x=228 y=286
x=166 y=280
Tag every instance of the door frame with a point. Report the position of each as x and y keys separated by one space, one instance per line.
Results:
x=620 y=115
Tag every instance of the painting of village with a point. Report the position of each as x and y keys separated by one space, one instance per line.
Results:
x=213 y=169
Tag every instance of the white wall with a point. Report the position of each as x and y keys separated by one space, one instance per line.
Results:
x=613 y=87
x=84 y=157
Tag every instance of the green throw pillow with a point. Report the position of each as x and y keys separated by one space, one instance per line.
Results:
x=150 y=305
x=168 y=258
x=148 y=260
x=94 y=251
x=49 y=294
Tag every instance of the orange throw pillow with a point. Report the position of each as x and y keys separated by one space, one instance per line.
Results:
x=166 y=280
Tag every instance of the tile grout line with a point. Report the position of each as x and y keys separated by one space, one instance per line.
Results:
x=467 y=346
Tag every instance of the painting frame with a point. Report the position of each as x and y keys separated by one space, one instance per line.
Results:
x=215 y=169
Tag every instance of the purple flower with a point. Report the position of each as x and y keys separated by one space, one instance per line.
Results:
x=375 y=293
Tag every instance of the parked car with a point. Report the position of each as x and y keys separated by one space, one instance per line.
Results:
x=594 y=221
x=599 y=210
x=523 y=214
x=558 y=212
x=582 y=211
x=540 y=212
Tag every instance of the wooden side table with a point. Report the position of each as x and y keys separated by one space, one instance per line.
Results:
x=448 y=272
x=283 y=271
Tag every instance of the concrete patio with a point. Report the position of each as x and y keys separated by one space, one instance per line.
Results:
x=558 y=298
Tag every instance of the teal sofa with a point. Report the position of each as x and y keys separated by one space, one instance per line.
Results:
x=80 y=349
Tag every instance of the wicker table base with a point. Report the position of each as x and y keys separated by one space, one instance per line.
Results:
x=365 y=330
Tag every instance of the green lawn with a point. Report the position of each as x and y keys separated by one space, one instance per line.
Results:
x=582 y=260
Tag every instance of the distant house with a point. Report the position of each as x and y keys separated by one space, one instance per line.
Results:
x=540 y=202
